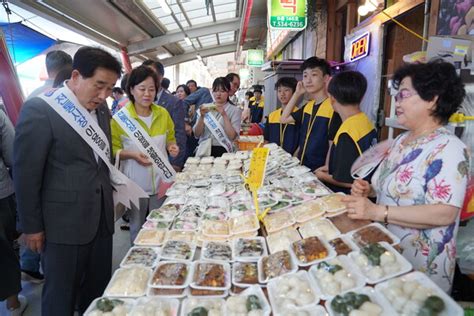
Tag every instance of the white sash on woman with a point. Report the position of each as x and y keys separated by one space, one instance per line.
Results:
x=65 y=103
x=217 y=131
x=145 y=144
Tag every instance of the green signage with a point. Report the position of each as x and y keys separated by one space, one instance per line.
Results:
x=287 y=14
x=255 y=57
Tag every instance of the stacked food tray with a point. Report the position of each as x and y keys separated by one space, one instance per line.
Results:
x=204 y=252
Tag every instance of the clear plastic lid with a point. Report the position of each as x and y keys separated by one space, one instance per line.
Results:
x=189 y=236
x=150 y=237
x=333 y=202
x=128 y=282
x=171 y=275
x=178 y=250
x=167 y=293
x=343 y=245
x=185 y=223
x=278 y=221
x=217 y=251
x=244 y=274
x=307 y=211
x=211 y=306
x=371 y=234
x=252 y=299
x=295 y=290
x=335 y=276
x=155 y=306
x=297 y=171
x=164 y=213
x=311 y=250
x=376 y=305
x=102 y=305
x=409 y=293
x=379 y=262
x=282 y=239
x=320 y=227
x=219 y=228
x=211 y=275
x=156 y=225
x=249 y=249
x=141 y=256
x=275 y=265
x=244 y=224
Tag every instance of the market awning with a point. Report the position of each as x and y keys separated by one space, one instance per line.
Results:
x=23 y=42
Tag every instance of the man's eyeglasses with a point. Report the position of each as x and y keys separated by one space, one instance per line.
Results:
x=403 y=94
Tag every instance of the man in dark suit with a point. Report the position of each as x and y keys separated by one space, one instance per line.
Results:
x=177 y=111
x=63 y=188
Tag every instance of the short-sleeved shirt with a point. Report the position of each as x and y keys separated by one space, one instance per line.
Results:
x=256 y=111
x=234 y=113
x=276 y=132
x=314 y=121
x=354 y=136
x=429 y=170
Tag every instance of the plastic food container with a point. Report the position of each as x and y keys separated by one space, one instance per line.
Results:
x=335 y=282
x=295 y=290
x=371 y=234
x=150 y=237
x=320 y=227
x=186 y=223
x=156 y=225
x=244 y=224
x=309 y=210
x=107 y=303
x=128 y=282
x=245 y=274
x=171 y=275
x=188 y=236
x=155 y=305
x=178 y=250
x=215 y=228
x=207 y=293
x=167 y=293
x=277 y=221
x=249 y=249
x=297 y=171
x=282 y=239
x=311 y=250
x=408 y=294
x=333 y=202
x=275 y=265
x=217 y=251
x=241 y=303
x=374 y=298
x=164 y=213
x=393 y=264
x=211 y=275
x=216 y=306
x=343 y=245
x=141 y=256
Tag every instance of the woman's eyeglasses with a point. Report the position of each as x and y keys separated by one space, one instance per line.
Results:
x=403 y=94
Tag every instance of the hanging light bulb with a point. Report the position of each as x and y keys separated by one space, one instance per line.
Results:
x=362 y=10
x=370 y=5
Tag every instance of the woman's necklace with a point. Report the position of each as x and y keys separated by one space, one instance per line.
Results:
x=412 y=138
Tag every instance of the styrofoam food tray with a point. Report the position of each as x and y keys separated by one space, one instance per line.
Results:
x=189 y=276
x=348 y=267
x=451 y=307
x=405 y=266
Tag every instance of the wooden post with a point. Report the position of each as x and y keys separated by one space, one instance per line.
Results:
x=434 y=11
x=331 y=31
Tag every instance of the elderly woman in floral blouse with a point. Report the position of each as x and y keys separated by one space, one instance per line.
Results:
x=420 y=185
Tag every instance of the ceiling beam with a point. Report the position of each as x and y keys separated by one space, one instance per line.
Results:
x=211 y=51
x=195 y=31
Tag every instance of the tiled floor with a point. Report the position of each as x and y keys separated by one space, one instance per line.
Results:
x=33 y=291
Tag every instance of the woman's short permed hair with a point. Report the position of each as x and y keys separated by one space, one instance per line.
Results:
x=138 y=75
x=435 y=79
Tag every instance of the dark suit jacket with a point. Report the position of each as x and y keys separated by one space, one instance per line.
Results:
x=60 y=187
x=177 y=110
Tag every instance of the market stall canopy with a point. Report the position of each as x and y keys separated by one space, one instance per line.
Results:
x=174 y=31
x=24 y=43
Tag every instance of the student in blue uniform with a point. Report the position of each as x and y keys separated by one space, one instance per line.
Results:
x=285 y=135
x=315 y=117
x=256 y=107
x=355 y=135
